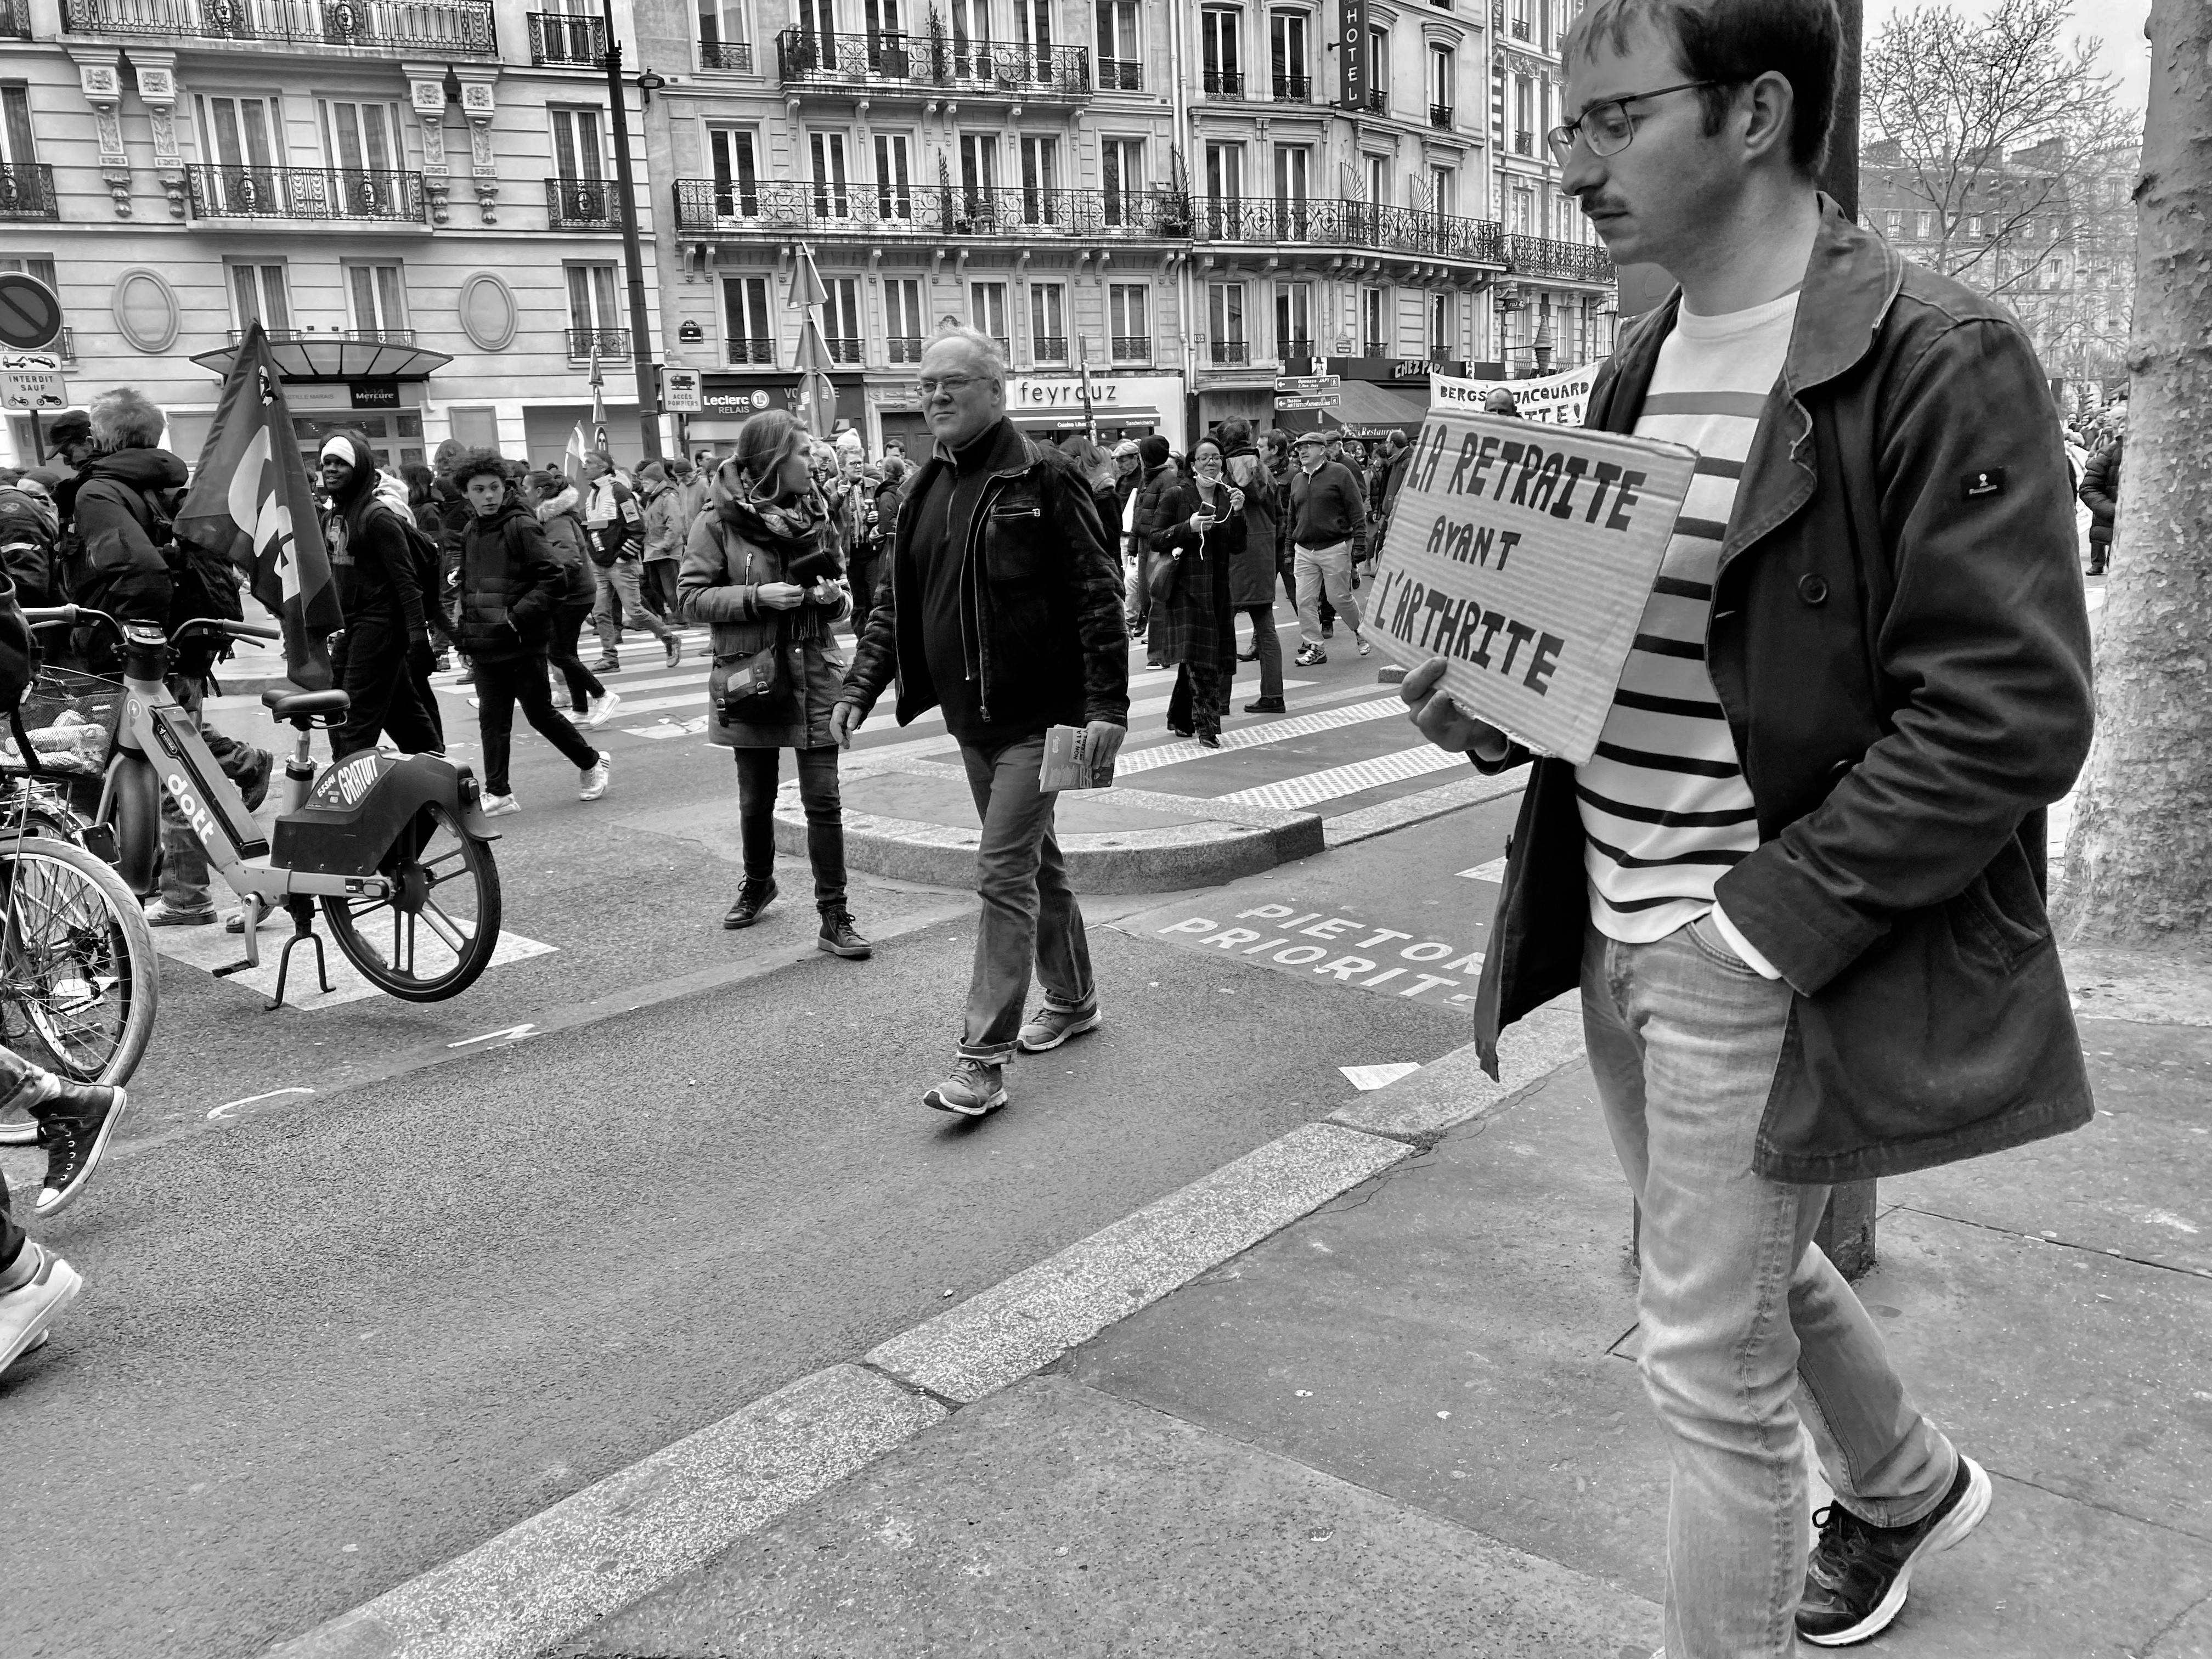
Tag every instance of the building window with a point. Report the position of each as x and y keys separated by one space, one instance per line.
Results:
x=1048 y=322
x=1444 y=77
x=1293 y=184
x=832 y=194
x=1544 y=24
x=578 y=144
x=1443 y=191
x=1287 y=63
x=1041 y=181
x=361 y=137
x=737 y=183
x=1225 y=172
x=259 y=294
x=1224 y=321
x=1378 y=68
x=1121 y=171
x=1221 y=68
x=750 y=337
x=1440 y=327
x=1294 y=319
x=841 y=318
x=986 y=311
x=16 y=149
x=1374 y=339
x=722 y=43
x=971 y=29
x=1524 y=115
x=377 y=296
x=1378 y=181
x=894 y=177
x=903 y=319
x=1127 y=313
x=595 y=312
x=1033 y=24
x=1120 y=52
x=1923 y=226
x=978 y=162
x=1524 y=211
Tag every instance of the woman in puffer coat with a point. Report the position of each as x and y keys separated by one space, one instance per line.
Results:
x=766 y=515
x=510 y=583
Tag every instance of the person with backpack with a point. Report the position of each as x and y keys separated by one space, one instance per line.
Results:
x=554 y=502
x=617 y=527
x=388 y=575
x=510 y=585
x=30 y=537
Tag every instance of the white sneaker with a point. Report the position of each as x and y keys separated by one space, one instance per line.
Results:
x=595 y=780
x=603 y=707
x=498 y=806
x=1363 y=646
x=27 y=1310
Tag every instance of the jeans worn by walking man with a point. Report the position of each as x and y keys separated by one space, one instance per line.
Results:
x=1799 y=885
x=1003 y=604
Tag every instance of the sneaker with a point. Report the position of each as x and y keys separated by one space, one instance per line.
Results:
x=162 y=913
x=1309 y=655
x=1264 y=706
x=1363 y=646
x=26 y=1311
x=498 y=806
x=595 y=779
x=1209 y=740
x=609 y=664
x=839 y=938
x=1049 y=1027
x=604 y=708
x=1329 y=630
x=466 y=677
x=973 y=1090
x=476 y=702
x=1249 y=656
x=1855 y=1580
x=75 y=1129
x=675 y=650
x=753 y=897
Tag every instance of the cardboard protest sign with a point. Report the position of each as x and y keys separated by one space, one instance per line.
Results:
x=1560 y=399
x=1523 y=556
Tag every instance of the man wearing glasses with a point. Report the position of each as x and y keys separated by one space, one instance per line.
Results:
x=1800 y=882
x=1003 y=607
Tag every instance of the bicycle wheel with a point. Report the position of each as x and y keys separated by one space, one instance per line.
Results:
x=435 y=932
x=79 y=980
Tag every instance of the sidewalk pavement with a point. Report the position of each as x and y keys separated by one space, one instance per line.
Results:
x=1410 y=1422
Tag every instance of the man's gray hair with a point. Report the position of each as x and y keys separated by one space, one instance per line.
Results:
x=124 y=417
x=993 y=354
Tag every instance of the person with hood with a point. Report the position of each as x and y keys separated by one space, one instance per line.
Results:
x=1252 y=570
x=866 y=564
x=510 y=585
x=548 y=494
x=615 y=521
x=2100 y=491
x=120 y=509
x=743 y=577
x=665 y=532
x=385 y=659
x=1155 y=462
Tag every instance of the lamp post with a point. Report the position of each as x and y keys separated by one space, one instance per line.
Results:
x=640 y=338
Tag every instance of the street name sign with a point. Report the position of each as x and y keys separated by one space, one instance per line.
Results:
x=1304 y=385
x=1319 y=400
x=1523 y=556
x=30 y=311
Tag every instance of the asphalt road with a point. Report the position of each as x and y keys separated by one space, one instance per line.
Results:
x=331 y=1338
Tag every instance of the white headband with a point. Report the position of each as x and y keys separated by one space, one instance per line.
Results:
x=339 y=447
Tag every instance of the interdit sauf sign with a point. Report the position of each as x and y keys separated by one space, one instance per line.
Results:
x=1352 y=52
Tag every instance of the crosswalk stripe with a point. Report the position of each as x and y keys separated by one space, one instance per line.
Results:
x=1252 y=737
x=930 y=725
x=1288 y=794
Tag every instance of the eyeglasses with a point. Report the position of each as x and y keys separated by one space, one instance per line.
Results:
x=930 y=388
x=1606 y=127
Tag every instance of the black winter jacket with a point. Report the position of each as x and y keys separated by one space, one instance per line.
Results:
x=2100 y=492
x=510 y=582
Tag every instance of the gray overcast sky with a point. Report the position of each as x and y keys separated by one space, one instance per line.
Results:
x=2117 y=23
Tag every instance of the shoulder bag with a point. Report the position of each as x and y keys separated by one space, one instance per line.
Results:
x=753 y=682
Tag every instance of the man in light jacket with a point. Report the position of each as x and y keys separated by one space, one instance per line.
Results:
x=617 y=527
x=665 y=529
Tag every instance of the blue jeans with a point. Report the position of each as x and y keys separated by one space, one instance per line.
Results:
x=1748 y=1328
x=620 y=605
x=1029 y=911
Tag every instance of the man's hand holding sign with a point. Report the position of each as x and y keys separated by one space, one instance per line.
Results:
x=1518 y=561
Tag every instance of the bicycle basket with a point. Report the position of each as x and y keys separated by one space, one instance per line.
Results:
x=69 y=720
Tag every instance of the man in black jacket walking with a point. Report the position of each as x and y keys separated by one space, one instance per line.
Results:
x=1003 y=607
x=384 y=665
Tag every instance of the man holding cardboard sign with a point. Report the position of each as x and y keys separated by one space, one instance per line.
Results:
x=1798 y=878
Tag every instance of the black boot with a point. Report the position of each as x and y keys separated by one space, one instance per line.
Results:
x=753 y=897
x=838 y=938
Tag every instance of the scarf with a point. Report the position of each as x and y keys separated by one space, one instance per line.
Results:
x=787 y=529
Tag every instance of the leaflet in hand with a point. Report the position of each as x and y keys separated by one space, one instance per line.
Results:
x=1067 y=761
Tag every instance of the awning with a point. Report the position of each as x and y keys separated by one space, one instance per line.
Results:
x=334 y=358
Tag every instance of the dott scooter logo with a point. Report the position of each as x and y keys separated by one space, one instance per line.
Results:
x=201 y=821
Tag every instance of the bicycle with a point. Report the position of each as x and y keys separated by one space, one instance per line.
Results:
x=375 y=838
x=79 y=988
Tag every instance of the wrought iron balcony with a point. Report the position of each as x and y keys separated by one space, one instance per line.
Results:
x=892 y=60
x=606 y=343
x=779 y=205
x=1378 y=101
x=1574 y=262
x=582 y=205
x=1222 y=83
x=557 y=37
x=1330 y=222
x=905 y=348
x=726 y=55
x=1374 y=348
x=1440 y=115
x=15 y=20
x=1298 y=345
x=26 y=191
x=843 y=348
x=1294 y=88
x=1131 y=348
x=1520 y=30
x=1228 y=351
x=759 y=352
x=1114 y=74
x=1049 y=348
x=462 y=28
x=227 y=193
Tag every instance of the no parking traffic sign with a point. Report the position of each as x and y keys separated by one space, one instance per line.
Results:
x=30 y=311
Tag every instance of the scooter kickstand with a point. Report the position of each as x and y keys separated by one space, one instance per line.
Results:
x=303 y=922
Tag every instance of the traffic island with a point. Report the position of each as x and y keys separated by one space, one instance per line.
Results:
x=915 y=820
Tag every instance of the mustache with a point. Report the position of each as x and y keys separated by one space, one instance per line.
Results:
x=1593 y=205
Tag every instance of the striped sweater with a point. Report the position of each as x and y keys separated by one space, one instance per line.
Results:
x=1665 y=808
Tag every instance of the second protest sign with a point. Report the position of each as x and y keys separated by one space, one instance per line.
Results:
x=1522 y=555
